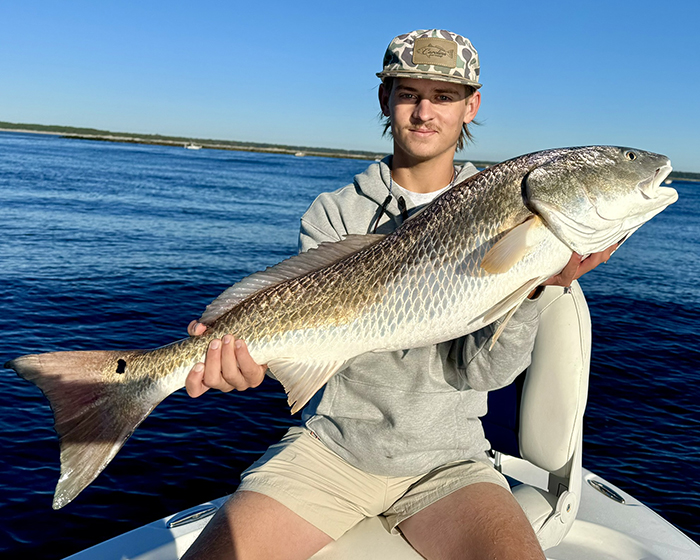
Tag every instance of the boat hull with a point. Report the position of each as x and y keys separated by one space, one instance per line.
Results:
x=604 y=529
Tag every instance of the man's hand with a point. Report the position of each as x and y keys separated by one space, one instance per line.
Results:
x=578 y=266
x=227 y=366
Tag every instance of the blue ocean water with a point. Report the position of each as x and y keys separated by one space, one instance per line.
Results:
x=107 y=245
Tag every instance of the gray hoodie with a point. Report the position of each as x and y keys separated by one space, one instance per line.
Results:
x=405 y=413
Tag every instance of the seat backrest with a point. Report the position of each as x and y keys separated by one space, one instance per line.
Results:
x=555 y=388
x=539 y=416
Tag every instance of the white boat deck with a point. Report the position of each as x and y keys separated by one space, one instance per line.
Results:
x=604 y=530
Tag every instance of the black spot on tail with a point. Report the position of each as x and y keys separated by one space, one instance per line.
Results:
x=121 y=366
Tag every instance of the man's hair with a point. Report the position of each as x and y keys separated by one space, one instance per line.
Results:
x=464 y=138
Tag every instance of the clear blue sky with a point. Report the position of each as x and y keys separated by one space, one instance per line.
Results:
x=554 y=73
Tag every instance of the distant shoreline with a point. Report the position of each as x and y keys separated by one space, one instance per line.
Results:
x=199 y=143
x=210 y=144
x=203 y=143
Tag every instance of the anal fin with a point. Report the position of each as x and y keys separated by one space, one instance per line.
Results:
x=301 y=380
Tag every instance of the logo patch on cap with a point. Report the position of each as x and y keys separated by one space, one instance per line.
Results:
x=436 y=51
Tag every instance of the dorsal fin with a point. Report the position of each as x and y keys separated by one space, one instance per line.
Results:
x=313 y=259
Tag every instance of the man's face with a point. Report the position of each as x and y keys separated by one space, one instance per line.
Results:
x=426 y=116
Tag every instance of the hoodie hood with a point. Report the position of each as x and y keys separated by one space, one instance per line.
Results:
x=360 y=206
x=375 y=183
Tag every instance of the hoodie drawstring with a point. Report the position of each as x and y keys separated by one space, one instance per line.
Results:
x=382 y=210
x=383 y=207
x=402 y=208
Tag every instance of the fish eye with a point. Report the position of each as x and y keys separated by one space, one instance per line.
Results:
x=631 y=155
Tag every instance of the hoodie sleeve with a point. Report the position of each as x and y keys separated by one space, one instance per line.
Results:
x=352 y=209
x=486 y=370
x=323 y=221
x=314 y=232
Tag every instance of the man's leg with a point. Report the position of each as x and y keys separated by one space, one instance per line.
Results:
x=253 y=526
x=478 y=521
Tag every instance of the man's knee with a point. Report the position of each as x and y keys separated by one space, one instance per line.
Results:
x=254 y=526
x=482 y=520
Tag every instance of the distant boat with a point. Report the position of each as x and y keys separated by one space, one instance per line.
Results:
x=300 y=154
x=668 y=181
x=192 y=146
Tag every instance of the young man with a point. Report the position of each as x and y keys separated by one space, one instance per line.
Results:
x=395 y=433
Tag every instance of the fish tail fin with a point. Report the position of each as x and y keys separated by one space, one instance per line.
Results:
x=96 y=404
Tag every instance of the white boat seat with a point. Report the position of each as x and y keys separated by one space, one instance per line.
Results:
x=537 y=418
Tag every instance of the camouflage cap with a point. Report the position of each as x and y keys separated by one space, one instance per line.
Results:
x=432 y=54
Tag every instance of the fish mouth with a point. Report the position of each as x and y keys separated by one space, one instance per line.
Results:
x=654 y=198
x=651 y=187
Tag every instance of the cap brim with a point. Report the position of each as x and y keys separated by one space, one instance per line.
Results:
x=428 y=76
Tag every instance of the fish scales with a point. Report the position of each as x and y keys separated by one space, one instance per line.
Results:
x=467 y=259
x=375 y=282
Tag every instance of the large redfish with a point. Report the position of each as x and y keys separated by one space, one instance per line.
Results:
x=469 y=258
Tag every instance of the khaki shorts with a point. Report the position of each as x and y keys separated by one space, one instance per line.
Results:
x=305 y=476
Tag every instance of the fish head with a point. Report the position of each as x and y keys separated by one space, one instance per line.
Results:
x=596 y=196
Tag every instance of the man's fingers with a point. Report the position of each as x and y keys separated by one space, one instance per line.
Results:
x=195 y=328
x=591 y=262
x=230 y=370
x=194 y=383
x=250 y=370
x=571 y=270
x=213 y=377
x=237 y=367
x=568 y=273
x=228 y=365
x=595 y=259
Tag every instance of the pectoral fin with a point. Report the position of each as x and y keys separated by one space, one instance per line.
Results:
x=512 y=247
x=502 y=326
x=301 y=380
